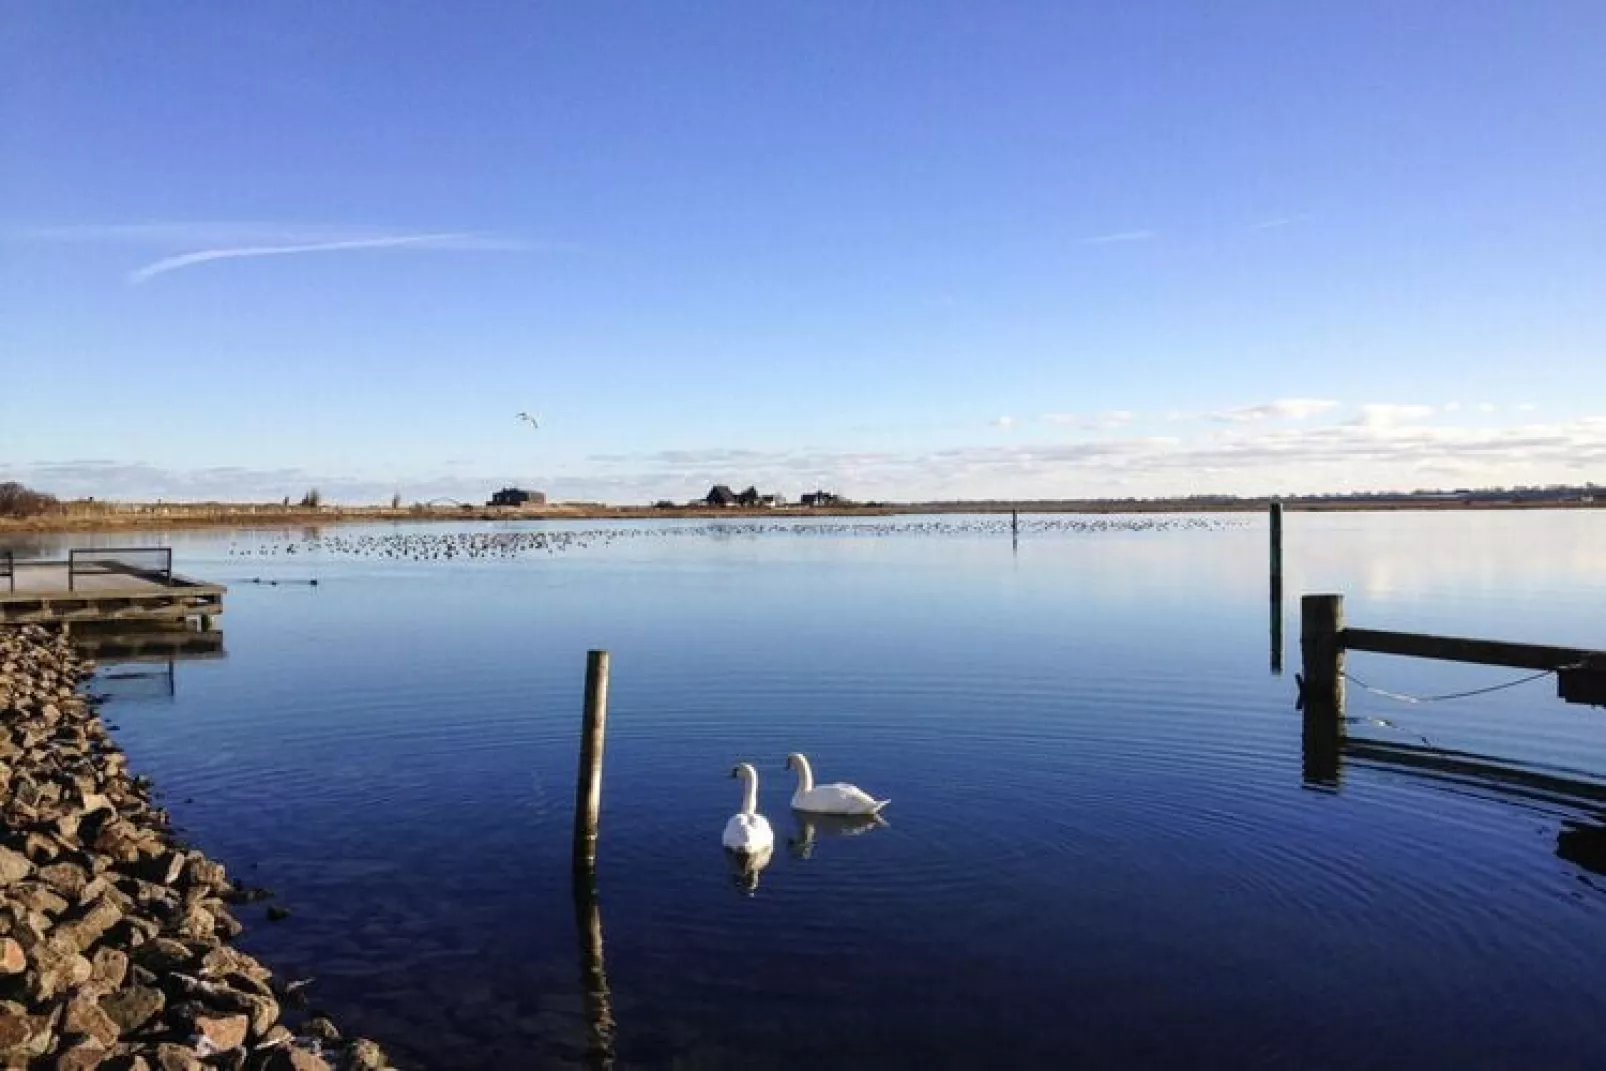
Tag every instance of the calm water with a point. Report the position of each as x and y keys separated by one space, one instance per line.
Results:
x=1100 y=851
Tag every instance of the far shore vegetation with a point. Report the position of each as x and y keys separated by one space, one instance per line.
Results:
x=23 y=508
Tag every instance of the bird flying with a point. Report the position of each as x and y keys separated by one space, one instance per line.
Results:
x=534 y=422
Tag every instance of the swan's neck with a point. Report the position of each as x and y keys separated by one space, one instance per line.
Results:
x=749 y=793
x=805 y=775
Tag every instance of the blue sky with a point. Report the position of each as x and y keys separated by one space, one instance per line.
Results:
x=901 y=249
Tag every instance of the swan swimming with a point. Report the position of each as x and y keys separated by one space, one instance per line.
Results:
x=828 y=799
x=748 y=832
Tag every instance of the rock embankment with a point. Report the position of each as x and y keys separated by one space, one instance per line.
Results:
x=114 y=939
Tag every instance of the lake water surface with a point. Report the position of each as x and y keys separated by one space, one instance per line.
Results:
x=1103 y=849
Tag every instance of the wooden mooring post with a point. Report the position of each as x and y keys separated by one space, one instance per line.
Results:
x=588 y=784
x=1321 y=649
x=1277 y=588
x=1321 y=687
x=1277 y=546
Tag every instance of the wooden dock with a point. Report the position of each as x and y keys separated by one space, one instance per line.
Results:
x=102 y=585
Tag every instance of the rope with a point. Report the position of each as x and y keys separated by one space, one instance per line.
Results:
x=1403 y=698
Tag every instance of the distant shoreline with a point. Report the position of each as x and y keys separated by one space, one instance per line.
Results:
x=213 y=515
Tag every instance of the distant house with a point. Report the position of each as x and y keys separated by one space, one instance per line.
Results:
x=721 y=497
x=821 y=498
x=513 y=496
x=749 y=497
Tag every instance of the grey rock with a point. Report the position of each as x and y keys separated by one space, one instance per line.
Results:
x=133 y=1007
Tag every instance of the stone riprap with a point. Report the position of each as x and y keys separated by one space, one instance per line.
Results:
x=114 y=938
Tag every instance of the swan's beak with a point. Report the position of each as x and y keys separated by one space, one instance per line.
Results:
x=736 y=771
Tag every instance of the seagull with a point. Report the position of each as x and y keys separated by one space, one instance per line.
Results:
x=533 y=422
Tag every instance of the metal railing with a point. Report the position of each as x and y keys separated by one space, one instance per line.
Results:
x=148 y=563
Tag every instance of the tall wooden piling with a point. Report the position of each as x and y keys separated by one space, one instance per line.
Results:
x=1322 y=687
x=1322 y=652
x=1277 y=545
x=1277 y=588
x=588 y=784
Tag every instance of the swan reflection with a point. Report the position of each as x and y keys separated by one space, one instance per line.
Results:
x=813 y=826
x=745 y=867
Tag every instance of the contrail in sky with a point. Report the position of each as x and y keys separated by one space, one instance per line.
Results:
x=1118 y=236
x=186 y=260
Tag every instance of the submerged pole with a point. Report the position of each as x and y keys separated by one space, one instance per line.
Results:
x=588 y=783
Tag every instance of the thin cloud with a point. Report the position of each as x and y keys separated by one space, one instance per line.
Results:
x=455 y=240
x=1278 y=221
x=1118 y=236
x=1005 y=422
x=1282 y=408
x=1388 y=415
x=1115 y=418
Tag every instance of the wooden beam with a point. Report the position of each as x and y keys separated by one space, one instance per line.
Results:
x=1460 y=649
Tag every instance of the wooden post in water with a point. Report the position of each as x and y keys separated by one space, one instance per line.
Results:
x=1322 y=681
x=1322 y=687
x=1277 y=588
x=588 y=784
x=1277 y=545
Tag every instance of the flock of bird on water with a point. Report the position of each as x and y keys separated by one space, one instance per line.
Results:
x=426 y=545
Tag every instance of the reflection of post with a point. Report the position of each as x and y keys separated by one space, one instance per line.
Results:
x=594 y=994
x=588 y=785
x=1277 y=588
x=1276 y=628
x=1321 y=744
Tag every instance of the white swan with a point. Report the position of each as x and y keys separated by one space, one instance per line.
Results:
x=828 y=799
x=748 y=832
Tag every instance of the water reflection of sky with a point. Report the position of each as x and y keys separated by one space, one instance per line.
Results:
x=1096 y=785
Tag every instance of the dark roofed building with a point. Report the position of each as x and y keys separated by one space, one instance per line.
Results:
x=820 y=498
x=721 y=496
x=513 y=496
